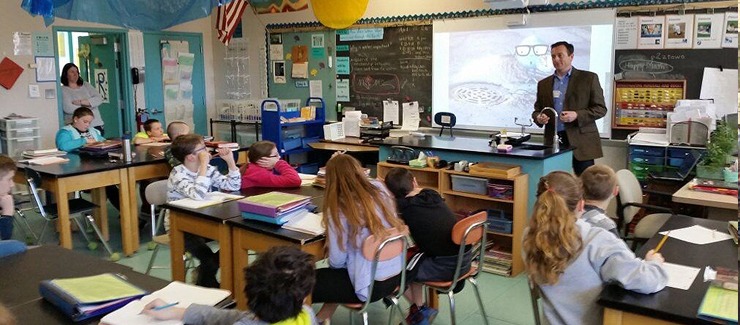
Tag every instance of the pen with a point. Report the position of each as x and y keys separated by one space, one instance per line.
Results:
x=662 y=241
x=166 y=306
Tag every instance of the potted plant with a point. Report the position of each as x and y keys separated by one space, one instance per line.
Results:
x=722 y=144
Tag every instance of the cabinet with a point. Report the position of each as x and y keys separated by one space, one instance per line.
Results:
x=645 y=103
x=284 y=126
x=643 y=159
x=18 y=134
x=503 y=254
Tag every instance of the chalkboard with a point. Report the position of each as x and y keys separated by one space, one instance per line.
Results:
x=673 y=64
x=397 y=67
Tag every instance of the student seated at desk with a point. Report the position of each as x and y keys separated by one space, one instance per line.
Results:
x=599 y=187
x=266 y=169
x=78 y=134
x=153 y=132
x=354 y=208
x=430 y=223
x=571 y=261
x=278 y=283
x=7 y=209
x=194 y=178
x=174 y=130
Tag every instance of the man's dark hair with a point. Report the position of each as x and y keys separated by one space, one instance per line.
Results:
x=399 y=181
x=278 y=282
x=567 y=45
x=63 y=77
x=148 y=124
x=185 y=145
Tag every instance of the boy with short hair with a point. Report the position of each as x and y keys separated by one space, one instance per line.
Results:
x=174 y=130
x=194 y=178
x=153 y=132
x=599 y=186
x=7 y=209
x=278 y=283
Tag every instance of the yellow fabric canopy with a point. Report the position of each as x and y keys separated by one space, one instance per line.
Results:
x=338 y=14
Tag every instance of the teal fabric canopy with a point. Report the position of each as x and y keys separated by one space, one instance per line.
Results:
x=145 y=15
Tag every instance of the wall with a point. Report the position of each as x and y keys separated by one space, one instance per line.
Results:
x=16 y=99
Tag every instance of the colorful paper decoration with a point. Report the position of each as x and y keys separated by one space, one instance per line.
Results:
x=9 y=73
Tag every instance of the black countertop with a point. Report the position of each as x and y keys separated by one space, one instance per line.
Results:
x=472 y=145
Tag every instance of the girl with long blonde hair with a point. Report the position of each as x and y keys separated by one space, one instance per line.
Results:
x=571 y=261
x=354 y=208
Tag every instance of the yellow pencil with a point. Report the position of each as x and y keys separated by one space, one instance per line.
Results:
x=662 y=241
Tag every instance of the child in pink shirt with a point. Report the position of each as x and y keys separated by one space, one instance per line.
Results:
x=266 y=169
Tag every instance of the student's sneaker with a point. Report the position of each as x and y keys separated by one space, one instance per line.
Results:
x=429 y=313
x=416 y=317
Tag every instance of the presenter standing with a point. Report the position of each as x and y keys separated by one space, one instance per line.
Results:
x=76 y=92
x=578 y=99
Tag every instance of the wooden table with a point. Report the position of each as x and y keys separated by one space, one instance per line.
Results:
x=350 y=144
x=670 y=306
x=22 y=273
x=722 y=207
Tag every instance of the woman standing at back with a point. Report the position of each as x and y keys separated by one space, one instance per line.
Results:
x=78 y=93
x=571 y=261
x=354 y=208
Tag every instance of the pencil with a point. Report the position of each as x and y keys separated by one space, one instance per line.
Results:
x=662 y=241
x=165 y=306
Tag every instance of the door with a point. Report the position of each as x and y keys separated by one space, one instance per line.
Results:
x=102 y=70
x=175 y=81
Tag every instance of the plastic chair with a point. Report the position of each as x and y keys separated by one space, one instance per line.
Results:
x=534 y=296
x=156 y=194
x=77 y=207
x=383 y=249
x=630 y=203
x=468 y=231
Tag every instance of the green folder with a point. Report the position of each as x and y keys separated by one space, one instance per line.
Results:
x=97 y=288
x=719 y=304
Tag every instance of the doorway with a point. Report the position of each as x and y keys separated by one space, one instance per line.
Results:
x=102 y=61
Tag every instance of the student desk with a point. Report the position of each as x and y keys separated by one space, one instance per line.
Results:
x=720 y=206
x=22 y=273
x=671 y=306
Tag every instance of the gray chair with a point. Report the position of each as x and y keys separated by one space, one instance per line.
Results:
x=534 y=296
x=630 y=203
x=156 y=194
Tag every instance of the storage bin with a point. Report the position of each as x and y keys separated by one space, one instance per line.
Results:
x=469 y=184
x=499 y=222
x=15 y=147
x=312 y=168
x=308 y=140
x=647 y=151
x=501 y=191
x=648 y=160
x=678 y=153
x=10 y=124
x=20 y=133
x=675 y=162
x=644 y=168
x=290 y=144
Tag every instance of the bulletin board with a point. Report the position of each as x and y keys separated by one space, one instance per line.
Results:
x=397 y=66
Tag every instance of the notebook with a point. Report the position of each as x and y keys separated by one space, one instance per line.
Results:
x=309 y=223
x=182 y=293
x=211 y=198
x=683 y=172
x=719 y=305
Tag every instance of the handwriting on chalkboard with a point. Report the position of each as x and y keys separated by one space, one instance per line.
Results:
x=376 y=84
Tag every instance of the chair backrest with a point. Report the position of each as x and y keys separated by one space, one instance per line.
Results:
x=377 y=249
x=156 y=193
x=630 y=191
x=33 y=179
x=470 y=231
x=534 y=295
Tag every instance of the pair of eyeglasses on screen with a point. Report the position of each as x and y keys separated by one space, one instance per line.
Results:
x=524 y=50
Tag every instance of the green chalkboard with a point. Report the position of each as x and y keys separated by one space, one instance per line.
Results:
x=396 y=67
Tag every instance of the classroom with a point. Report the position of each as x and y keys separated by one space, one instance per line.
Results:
x=460 y=81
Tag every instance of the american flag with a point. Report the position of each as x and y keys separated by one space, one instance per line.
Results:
x=229 y=16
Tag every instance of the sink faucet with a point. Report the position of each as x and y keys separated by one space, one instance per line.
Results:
x=555 y=139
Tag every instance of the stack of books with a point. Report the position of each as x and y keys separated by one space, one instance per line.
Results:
x=720 y=302
x=497 y=260
x=275 y=207
x=44 y=156
x=222 y=144
x=308 y=113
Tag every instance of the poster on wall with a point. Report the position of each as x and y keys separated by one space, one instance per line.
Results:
x=278 y=72
x=626 y=33
x=177 y=81
x=651 y=32
x=708 y=31
x=101 y=84
x=729 y=33
x=680 y=34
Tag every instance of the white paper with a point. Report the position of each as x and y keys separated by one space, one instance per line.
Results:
x=276 y=52
x=211 y=198
x=306 y=179
x=720 y=86
x=46 y=69
x=21 y=43
x=316 y=88
x=708 y=31
x=309 y=223
x=184 y=294
x=729 y=33
x=299 y=71
x=652 y=30
x=34 y=91
x=680 y=276
x=626 y=33
x=342 y=90
x=680 y=34
x=698 y=235
x=390 y=111
x=352 y=123
x=410 y=116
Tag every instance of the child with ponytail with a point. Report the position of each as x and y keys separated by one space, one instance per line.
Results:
x=571 y=261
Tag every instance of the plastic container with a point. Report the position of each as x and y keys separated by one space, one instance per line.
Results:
x=15 y=147
x=650 y=160
x=290 y=144
x=469 y=184
x=10 y=124
x=501 y=191
x=647 y=151
x=20 y=133
x=499 y=221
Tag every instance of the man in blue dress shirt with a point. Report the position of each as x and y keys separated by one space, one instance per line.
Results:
x=577 y=97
